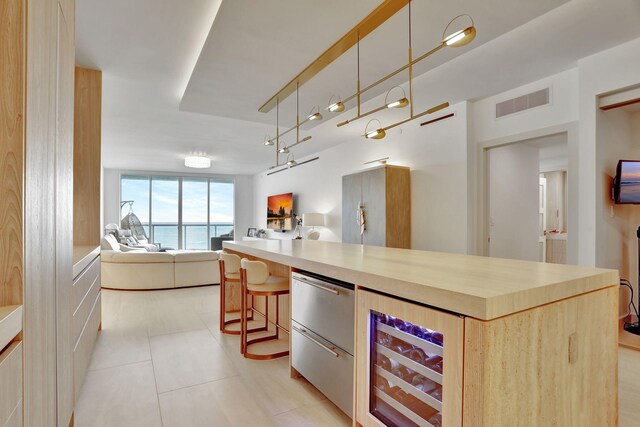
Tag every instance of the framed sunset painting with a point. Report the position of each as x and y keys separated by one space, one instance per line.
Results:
x=280 y=212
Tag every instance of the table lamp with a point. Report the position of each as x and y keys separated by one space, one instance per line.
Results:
x=313 y=220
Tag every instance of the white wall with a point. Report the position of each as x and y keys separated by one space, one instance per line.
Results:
x=560 y=116
x=243 y=210
x=613 y=143
x=513 y=172
x=563 y=108
x=437 y=156
x=604 y=72
x=618 y=137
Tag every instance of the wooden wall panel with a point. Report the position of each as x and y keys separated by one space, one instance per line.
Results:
x=569 y=378
x=48 y=211
x=64 y=219
x=12 y=49
x=86 y=161
x=398 y=201
x=39 y=222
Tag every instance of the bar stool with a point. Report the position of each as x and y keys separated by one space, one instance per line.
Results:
x=256 y=282
x=229 y=274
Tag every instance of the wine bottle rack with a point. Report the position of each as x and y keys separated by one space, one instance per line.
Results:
x=409 y=388
x=414 y=366
x=427 y=346
x=402 y=409
x=407 y=382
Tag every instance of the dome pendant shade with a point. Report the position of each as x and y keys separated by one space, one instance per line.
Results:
x=336 y=107
x=376 y=134
x=461 y=38
x=400 y=103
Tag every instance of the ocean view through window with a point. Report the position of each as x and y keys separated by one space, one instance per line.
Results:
x=180 y=212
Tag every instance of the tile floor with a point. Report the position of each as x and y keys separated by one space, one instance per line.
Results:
x=160 y=360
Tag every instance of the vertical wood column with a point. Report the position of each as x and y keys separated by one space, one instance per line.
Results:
x=12 y=87
x=12 y=50
x=48 y=211
x=63 y=216
x=86 y=161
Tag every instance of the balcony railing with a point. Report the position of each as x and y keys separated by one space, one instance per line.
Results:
x=194 y=235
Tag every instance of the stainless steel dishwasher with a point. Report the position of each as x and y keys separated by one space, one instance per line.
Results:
x=322 y=338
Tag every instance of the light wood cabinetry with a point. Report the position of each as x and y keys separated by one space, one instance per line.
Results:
x=86 y=157
x=384 y=195
x=37 y=55
x=12 y=263
x=522 y=343
x=371 y=351
x=87 y=313
x=11 y=381
x=550 y=365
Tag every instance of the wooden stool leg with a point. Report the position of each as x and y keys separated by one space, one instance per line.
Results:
x=266 y=313
x=222 y=302
x=243 y=314
x=277 y=316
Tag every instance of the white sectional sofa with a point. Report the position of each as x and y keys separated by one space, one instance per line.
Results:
x=140 y=270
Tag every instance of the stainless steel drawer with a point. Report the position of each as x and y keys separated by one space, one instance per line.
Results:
x=325 y=308
x=324 y=365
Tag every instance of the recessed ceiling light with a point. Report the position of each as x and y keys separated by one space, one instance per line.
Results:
x=198 y=162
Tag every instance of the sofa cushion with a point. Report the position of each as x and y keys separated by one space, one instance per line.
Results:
x=138 y=256
x=192 y=256
x=109 y=242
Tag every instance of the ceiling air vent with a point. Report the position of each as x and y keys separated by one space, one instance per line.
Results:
x=521 y=103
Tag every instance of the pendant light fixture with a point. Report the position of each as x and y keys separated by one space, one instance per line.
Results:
x=377 y=133
x=399 y=103
x=457 y=39
x=314 y=116
x=280 y=146
x=462 y=37
x=335 y=107
x=381 y=132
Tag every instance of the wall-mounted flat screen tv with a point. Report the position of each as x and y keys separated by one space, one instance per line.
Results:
x=626 y=189
x=280 y=212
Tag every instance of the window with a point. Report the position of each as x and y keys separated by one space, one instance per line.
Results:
x=180 y=212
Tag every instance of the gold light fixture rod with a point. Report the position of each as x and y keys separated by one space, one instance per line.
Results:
x=377 y=17
x=424 y=113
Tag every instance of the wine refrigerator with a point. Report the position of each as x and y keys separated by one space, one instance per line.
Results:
x=411 y=364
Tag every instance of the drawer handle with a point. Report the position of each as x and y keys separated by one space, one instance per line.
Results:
x=324 y=288
x=313 y=340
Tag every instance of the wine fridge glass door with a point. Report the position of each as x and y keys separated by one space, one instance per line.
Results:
x=406 y=372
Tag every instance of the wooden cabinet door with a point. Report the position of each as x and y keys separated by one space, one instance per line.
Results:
x=351 y=200
x=394 y=383
x=375 y=206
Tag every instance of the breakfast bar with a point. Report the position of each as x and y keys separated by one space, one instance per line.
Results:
x=448 y=339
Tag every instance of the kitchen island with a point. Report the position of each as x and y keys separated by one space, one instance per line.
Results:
x=514 y=342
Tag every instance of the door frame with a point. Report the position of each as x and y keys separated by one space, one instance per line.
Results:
x=481 y=219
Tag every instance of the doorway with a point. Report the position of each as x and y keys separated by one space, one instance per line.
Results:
x=527 y=199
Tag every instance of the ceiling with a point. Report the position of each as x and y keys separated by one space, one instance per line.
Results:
x=184 y=77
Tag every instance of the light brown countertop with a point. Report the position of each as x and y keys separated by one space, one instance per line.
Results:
x=480 y=287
